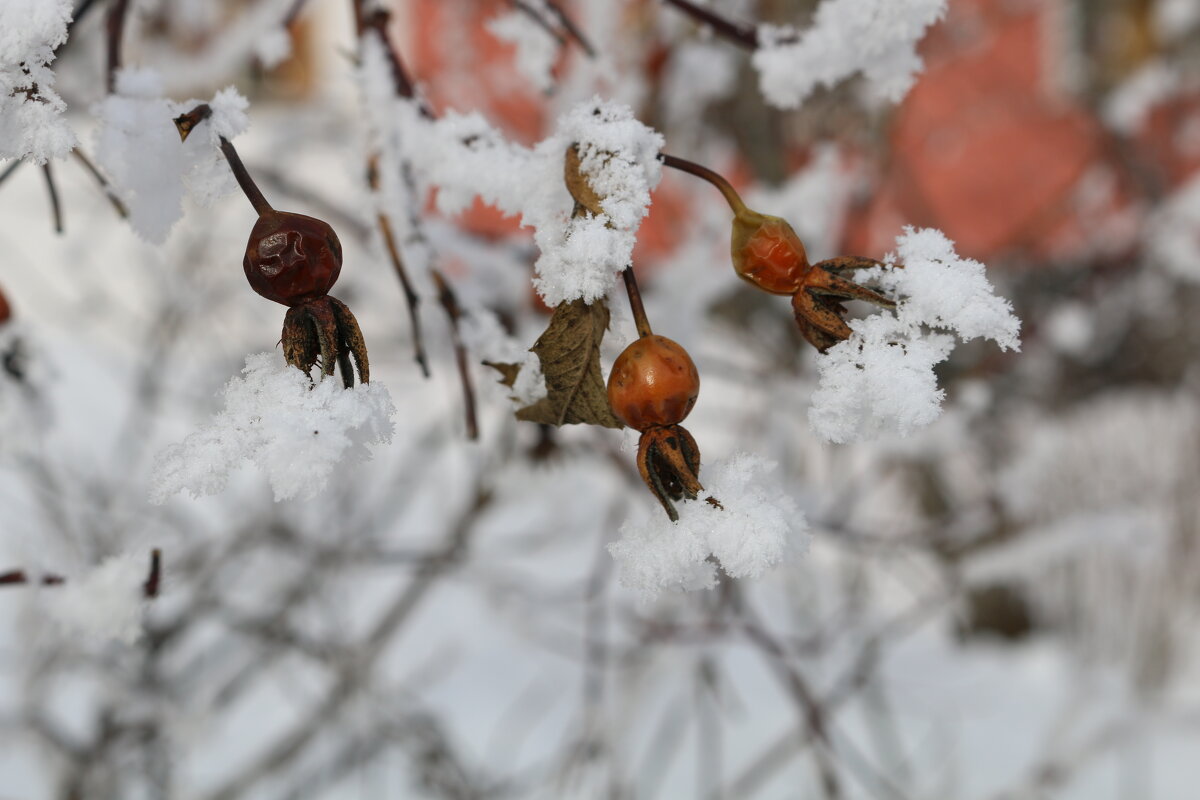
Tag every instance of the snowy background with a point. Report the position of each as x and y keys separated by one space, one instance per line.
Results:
x=962 y=553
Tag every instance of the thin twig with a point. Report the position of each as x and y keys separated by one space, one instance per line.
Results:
x=55 y=206
x=150 y=588
x=411 y=298
x=105 y=186
x=10 y=169
x=716 y=179
x=116 y=34
x=571 y=28
x=542 y=22
x=449 y=303
x=739 y=32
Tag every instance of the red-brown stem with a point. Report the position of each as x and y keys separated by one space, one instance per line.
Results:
x=55 y=206
x=115 y=25
x=635 y=303
x=253 y=194
x=739 y=32
x=717 y=180
x=150 y=587
x=449 y=302
x=187 y=122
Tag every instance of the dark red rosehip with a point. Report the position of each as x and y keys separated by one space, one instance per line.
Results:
x=653 y=382
x=5 y=309
x=291 y=258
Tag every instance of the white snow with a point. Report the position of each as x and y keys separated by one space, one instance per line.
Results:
x=273 y=47
x=462 y=156
x=755 y=530
x=537 y=49
x=104 y=603
x=136 y=130
x=31 y=123
x=1172 y=236
x=877 y=38
x=1127 y=106
x=881 y=379
x=293 y=430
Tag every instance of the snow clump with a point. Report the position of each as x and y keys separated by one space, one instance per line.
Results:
x=881 y=379
x=138 y=146
x=877 y=38
x=748 y=534
x=537 y=49
x=293 y=430
x=31 y=122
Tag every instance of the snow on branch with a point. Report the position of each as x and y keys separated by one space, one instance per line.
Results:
x=462 y=156
x=31 y=123
x=876 y=38
x=750 y=531
x=136 y=129
x=881 y=379
x=275 y=417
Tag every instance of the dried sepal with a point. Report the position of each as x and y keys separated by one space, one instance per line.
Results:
x=669 y=462
x=325 y=332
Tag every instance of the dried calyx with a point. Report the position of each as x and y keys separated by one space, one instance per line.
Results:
x=295 y=260
x=766 y=252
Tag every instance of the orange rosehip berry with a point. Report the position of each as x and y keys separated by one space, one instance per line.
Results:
x=768 y=253
x=653 y=382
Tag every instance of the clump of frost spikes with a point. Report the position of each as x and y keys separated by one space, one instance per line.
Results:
x=463 y=156
x=877 y=38
x=753 y=532
x=31 y=123
x=881 y=379
x=275 y=417
x=137 y=129
x=104 y=603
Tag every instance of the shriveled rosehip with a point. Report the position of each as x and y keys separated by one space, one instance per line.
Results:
x=291 y=258
x=653 y=382
x=768 y=253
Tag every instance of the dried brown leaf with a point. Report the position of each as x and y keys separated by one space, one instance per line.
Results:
x=569 y=350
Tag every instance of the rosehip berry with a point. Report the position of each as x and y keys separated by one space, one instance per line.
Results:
x=653 y=382
x=768 y=253
x=291 y=258
x=5 y=309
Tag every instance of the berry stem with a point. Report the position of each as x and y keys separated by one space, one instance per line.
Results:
x=691 y=167
x=186 y=122
x=635 y=303
x=253 y=194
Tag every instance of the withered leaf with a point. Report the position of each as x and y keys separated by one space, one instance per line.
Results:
x=569 y=350
x=508 y=372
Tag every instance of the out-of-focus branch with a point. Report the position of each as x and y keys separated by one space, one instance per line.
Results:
x=102 y=181
x=450 y=305
x=19 y=577
x=55 y=206
x=739 y=32
x=115 y=29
